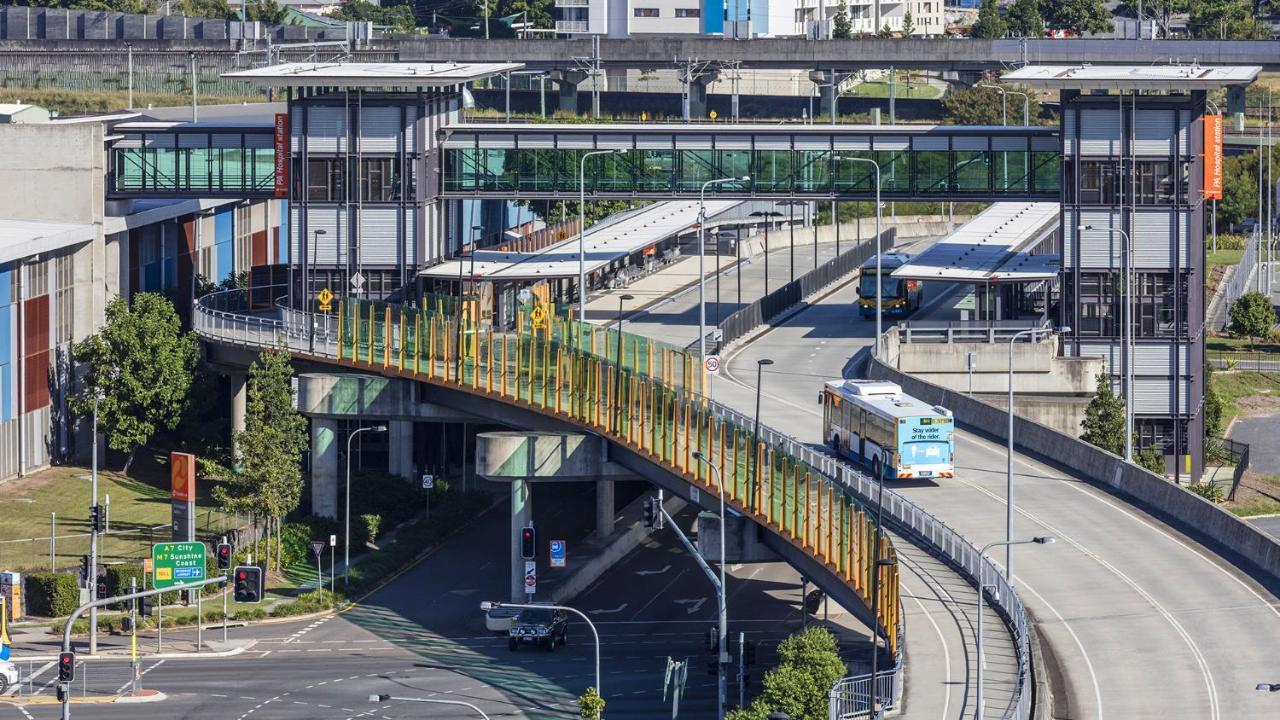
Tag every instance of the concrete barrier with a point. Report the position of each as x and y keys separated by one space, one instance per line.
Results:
x=1229 y=536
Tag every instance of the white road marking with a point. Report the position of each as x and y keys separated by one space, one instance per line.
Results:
x=653 y=572
x=618 y=609
x=694 y=605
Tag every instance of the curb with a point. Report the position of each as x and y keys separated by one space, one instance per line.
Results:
x=151 y=696
x=161 y=656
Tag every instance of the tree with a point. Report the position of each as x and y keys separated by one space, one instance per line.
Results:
x=142 y=363
x=1226 y=20
x=265 y=11
x=1078 y=16
x=808 y=665
x=983 y=106
x=397 y=17
x=590 y=705
x=885 y=31
x=1213 y=406
x=908 y=24
x=1024 y=19
x=1152 y=459
x=841 y=28
x=538 y=12
x=216 y=9
x=267 y=478
x=990 y=23
x=1252 y=315
x=1103 y=423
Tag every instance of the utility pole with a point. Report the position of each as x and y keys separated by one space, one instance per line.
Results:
x=95 y=518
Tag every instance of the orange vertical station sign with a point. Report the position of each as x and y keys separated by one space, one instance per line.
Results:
x=182 y=476
x=1212 y=157
x=282 y=155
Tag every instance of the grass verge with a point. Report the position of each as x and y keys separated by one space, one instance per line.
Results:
x=1235 y=386
x=81 y=102
x=1258 y=495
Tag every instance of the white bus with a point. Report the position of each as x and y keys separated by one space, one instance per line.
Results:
x=863 y=418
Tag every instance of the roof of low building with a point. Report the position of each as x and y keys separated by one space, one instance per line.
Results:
x=308 y=74
x=26 y=238
x=1133 y=77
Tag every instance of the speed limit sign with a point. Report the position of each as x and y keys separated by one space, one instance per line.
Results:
x=712 y=364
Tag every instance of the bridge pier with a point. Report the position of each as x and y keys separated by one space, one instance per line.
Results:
x=695 y=95
x=828 y=82
x=400 y=448
x=521 y=517
x=324 y=467
x=1235 y=105
x=239 y=403
x=567 y=82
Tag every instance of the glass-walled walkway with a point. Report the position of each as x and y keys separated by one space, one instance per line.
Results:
x=916 y=162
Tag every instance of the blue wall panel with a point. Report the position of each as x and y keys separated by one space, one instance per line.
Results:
x=283 y=245
x=713 y=17
x=224 y=243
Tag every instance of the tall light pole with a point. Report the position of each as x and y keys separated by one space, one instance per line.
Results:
x=308 y=280
x=879 y=251
x=702 y=255
x=346 y=536
x=1004 y=105
x=722 y=681
x=487 y=605
x=90 y=579
x=617 y=374
x=755 y=427
x=582 y=229
x=1008 y=481
x=982 y=554
x=1126 y=332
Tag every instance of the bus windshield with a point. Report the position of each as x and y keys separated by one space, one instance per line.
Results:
x=867 y=286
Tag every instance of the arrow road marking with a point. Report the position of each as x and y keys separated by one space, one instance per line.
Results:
x=618 y=609
x=654 y=572
x=694 y=605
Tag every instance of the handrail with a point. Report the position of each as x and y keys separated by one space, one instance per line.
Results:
x=652 y=425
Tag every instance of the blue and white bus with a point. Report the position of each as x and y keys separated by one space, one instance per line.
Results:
x=863 y=418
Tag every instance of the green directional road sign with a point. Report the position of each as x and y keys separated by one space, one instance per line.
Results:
x=177 y=563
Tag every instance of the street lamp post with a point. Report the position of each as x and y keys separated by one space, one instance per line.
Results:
x=1126 y=332
x=722 y=682
x=487 y=605
x=702 y=255
x=617 y=367
x=90 y=576
x=768 y=216
x=346 y=535
x=879 y=250
x=1004 y=105
x=384 y=698
x=582 y=229
x=982 y=554
x=885 y=461
x=1008 y=482
x=308 y=281
x=755 y=427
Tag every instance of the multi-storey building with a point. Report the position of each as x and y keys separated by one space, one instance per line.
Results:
x=1134 y=169
x=744 y=18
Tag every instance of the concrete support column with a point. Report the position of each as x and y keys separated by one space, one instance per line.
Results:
x=697 y=95
x=521 y=516
x=604 y=508
x=400 y=448
x=324 y=467
x=567 y=82
x=1235 y=105
x=239 y=403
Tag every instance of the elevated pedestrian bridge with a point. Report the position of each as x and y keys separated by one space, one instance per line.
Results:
x=652 y=161
x=646 y=399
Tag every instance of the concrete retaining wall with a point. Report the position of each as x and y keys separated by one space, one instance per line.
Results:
x=1228 y=535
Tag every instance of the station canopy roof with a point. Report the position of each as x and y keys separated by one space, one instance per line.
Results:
x=994 y=247
x=372 y=75
x=1133 y=77
x=606 y=243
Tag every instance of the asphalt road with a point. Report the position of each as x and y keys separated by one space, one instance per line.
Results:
x=1140 y=621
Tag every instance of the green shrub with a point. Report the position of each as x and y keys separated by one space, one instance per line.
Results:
x=52 y=594
x=390 y=496
x=371 y=525
x=314 y=601
x=1209 y=491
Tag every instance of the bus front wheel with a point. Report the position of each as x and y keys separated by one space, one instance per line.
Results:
x=876 y=468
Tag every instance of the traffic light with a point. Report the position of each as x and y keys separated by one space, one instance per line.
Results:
x=95 y=518
x=653 y=513
x=713 y=668
x=84 y=570
x=713 y=638
x=528 y=543
x=145 y=605
x=101 y=587
x=248 y=584
x=126 y=624
x=66 y=667
x=749 y=653
x=224 y=556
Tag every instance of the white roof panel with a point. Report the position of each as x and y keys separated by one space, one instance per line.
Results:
x=24 y=238
x=1133 y=77
x=371 y=74
x=992 y=247
x=631 y=233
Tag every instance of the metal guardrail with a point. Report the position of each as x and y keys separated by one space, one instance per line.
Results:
x=940 y=331
x=1241 y=279
x=215 y=318
x=850 y=697
x=766 y=309
x=1258 y=362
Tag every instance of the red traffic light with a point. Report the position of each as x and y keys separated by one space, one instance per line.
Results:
x=242 y=575
x=66 y=667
